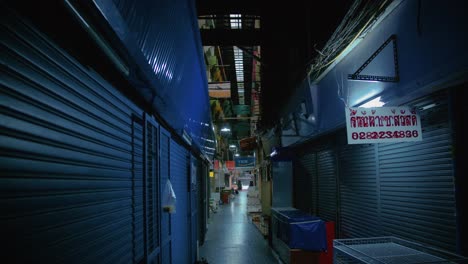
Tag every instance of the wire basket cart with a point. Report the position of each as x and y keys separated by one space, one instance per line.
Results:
x=389 y=250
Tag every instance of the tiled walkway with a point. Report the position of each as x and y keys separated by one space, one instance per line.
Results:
x=233 y=239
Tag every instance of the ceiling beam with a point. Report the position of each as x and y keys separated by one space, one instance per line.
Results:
x=231 y=37
x=211 y=7
x=250 y=53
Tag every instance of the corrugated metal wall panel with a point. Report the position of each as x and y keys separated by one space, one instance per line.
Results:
x=67 y=187
x=417 y=188
x=359 y=213
x=164 y=150
x=180 y=228
x=165 y=34
x=152 y=189
x=327 y=185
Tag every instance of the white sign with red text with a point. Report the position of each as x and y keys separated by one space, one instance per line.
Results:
x=382 y=124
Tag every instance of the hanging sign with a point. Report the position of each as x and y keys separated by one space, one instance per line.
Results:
x=230 y=165
x=245 y=162
x=382 y=124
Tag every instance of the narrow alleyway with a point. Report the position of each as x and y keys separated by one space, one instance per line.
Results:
x=232 y=238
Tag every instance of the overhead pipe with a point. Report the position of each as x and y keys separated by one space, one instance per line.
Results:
x=114 y=58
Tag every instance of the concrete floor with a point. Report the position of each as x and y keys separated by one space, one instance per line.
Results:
x=232 y=238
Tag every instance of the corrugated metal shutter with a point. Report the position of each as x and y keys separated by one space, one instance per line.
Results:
x=307 y=189
x=417 y=188
x=66 y=176
x=194 y=207
x=327 y=190
x=202 y=201
x=359 y=214
x=282 y=190
x=180 y=227
x=152 y=189
x=164 y=141
x=138 y=199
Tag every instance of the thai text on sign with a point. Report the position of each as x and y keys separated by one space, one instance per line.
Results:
x=382 y=124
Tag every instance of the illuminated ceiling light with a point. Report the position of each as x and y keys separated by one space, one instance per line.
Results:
x=237 y=154
x=206 y=139
x=232 y=146
x=225 y=129
x=209 y=148
x=373 y=103
x=428 y=106
x=273 y=153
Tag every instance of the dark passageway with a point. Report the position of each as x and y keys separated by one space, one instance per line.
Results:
x=233 y=238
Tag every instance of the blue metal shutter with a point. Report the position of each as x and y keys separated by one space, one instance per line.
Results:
x=194 y=207
x=327 y=190
x=180 y=227
x=202 y=201
x=306 y=183
x=66 y=177
x=164 y=141
x=359 y=213
x=282 y=186
x=138 y=200
x=152 y=189
x=417 y=181
x=309 y=162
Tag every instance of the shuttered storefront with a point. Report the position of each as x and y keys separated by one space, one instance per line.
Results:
x=70 y=154
x=202 y=201
x=152 y=188
x=327 y=184
x=318 y=161
x=282 y=187
x=306 y=183
x=359 y=214
x=180 y=228
x=138 y=199
x=416 y=181
x=166 y=227
x=193 y=207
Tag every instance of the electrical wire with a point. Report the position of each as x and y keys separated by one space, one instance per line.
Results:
x=344 y=35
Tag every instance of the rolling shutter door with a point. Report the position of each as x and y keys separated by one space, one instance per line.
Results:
x=194 y=206
x=152 y=190
x=68 y=185
x=417 y=188
x=359 y=215
x=138 y=200
x=307 y=189
x=327 y=190
x=202 y=201
x=282 y=189
x=180 y=227
x=164 y=141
